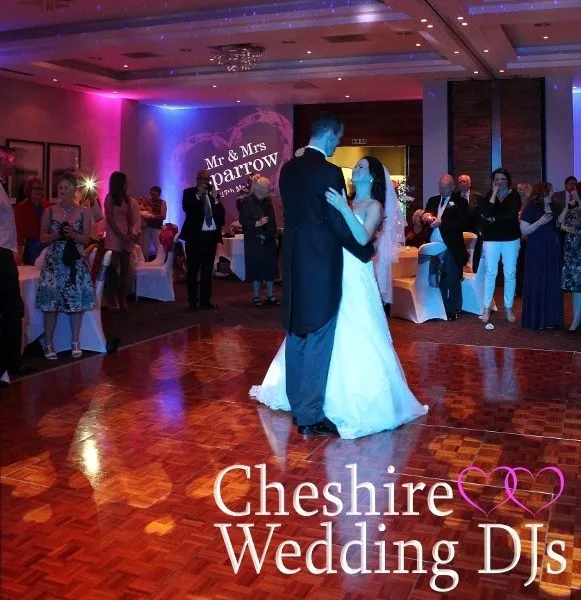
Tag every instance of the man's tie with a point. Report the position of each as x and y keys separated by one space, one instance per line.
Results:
x=443 y=201
x=207 y=210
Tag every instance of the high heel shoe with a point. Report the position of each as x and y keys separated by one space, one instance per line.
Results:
x=49 y=352
x=485 y=316
x=572 y=330
x=510 y=315
x=76 y=350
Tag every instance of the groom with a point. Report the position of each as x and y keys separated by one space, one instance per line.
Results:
x=314 y=236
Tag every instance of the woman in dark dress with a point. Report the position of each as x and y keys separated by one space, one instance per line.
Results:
x=542 y=295
x=260 y=250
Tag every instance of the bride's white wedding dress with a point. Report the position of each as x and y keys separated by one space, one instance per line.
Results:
x=367 y=390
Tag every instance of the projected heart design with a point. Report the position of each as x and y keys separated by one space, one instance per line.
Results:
x=510 y=486
x=221 y=144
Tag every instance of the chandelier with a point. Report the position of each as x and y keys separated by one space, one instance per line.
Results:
x=237 y=57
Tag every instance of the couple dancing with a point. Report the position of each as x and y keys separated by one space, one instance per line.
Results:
x=337 y=369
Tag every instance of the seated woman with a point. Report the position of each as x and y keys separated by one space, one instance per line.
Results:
x=28 y=215
x=260 y=248
x=154 y=212
x=65 y=283
x=418 y=233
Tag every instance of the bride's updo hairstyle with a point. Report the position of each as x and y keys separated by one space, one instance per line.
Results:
x=378 y=175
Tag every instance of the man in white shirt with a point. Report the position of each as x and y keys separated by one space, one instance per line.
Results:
x=473 y=219
x=11 y=304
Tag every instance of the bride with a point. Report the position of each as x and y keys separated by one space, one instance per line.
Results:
x=366 y=390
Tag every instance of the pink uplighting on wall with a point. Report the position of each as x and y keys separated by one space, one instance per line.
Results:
x=577 y=131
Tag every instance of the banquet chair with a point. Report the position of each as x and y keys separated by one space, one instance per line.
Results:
x=92 y=337
x=470 y=240
x=413 y=298
x=156 y=281
x=91 y=258
x=473 y=290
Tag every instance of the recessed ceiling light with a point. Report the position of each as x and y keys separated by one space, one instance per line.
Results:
x=309 y=52
x=465 y=24
x=125 y=66
x=545 y=37
x=346 y=96
x=501 y=71
x=418 y=44
x=430 y=26
x=486 y=51
x=339 y=78
x=460 y=18
x=55 y=80
x=424 y=20
x=475 y=72
x=214 y=85
x=115 y=92
x=238 y=101
x=456 y=51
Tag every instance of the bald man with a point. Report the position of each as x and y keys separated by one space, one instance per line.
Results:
x=447 y=216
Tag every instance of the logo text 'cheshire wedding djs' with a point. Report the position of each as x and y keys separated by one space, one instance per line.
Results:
x=318 y=556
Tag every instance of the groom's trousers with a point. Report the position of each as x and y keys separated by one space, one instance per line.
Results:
x=307 y=360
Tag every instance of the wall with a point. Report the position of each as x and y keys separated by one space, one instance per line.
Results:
x=397 y=123
x=46 y=114
x=172 y=145
x=435 y=136
x=577 y=133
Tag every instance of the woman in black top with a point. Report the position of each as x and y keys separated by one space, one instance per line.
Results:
x=499 y=211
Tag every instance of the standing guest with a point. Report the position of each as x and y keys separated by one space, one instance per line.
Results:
x=157 y=208
x=499 y=211
x=122 y=234
x=446 y=215
x=202 y=232
x=28 y=215
x=11 y=304
x=88 y=198
x=542 y=295
x=561 y=198
x=570 y=222
x=473 y=221
x=65 y=284
x=525 y=190
x=260 y=249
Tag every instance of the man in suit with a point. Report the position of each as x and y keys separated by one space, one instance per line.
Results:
x=560 y=198
x=202 y=232
x=446 y=214
x=472 y=222
x=315 y=235
x=11 y=304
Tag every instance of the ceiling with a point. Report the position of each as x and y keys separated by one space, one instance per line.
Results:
x=315 y=50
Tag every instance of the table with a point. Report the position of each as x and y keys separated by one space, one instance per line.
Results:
x=407 y=264
x=233 y=250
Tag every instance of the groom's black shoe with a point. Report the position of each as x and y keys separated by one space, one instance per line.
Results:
x=321 y=428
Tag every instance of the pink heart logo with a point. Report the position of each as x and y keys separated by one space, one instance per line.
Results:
x=510 y=486
x=560 y=476
x=469 y=500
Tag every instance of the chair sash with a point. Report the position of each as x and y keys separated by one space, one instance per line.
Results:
x=436 y=263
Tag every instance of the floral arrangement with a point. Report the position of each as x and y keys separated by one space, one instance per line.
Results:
x=402 y=189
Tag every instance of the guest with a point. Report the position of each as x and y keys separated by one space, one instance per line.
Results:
x=11 y=304
x=524 y=189
x=446 y=215
x=570 y=222
x=202 y=232
x=500 y=228
x=542 y=295
x=418 y=232
x=28 y=215
x=157 y=208
x=561 y=198
x=473 y=221
x=65 y=284
x=88 y=198
x=122 y=234
x=260 y=249
x=245 y=191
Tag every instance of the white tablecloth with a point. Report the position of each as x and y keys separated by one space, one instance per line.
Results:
x=407 y=264
x=32 y=326
x=233 y=250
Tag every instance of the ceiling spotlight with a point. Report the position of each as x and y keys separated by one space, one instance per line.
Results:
x=125 y=66
x=309 y=52
x=464 y=23
x=501 y=71
x=475 y=72
x=238 y=101
x=214 y=86
x=456 y=51
x=424 y=21
x=545 y=37
x=460 y=18
x=430 y=26
x=339 y=78
x=418 y=44
x=115 y=92
x=486 y=51
x=346 y=96
x=55 y=80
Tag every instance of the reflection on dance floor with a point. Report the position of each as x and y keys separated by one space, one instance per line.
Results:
x=109 y=471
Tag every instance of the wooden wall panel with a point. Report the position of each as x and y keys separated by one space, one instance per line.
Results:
x=397 y=123
x=470 y=121
x=522 y=123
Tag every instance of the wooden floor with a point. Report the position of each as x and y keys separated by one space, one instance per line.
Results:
x=109 y=466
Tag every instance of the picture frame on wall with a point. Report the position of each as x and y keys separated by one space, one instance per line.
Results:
x=30 y=161
x=62 y=158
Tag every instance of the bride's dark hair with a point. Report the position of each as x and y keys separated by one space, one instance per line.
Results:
x=378 y=175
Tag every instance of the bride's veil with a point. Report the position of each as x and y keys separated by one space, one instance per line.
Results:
x=389 y=239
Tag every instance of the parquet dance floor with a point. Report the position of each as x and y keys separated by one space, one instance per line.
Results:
x=110 y=466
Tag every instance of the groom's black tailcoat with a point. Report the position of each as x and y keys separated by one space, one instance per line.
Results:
x=315 y=234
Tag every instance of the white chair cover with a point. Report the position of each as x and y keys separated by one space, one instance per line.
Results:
x=156 y=281
x=413 y=298
x=92 y=337
x=470 y=240
x=473 y=289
